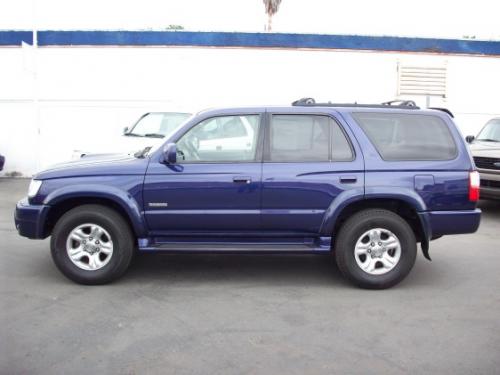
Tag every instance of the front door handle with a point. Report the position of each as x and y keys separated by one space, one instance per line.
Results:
x=242 y=180
x=348 y=179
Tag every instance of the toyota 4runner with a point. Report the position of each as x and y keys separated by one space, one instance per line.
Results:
x=365 y=183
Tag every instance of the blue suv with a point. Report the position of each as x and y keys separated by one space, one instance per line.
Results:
x=365 y=183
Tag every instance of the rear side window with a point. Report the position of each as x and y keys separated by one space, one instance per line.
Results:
x=341 y=149
x=303 y=138
x=299 y=138
x=401 y=136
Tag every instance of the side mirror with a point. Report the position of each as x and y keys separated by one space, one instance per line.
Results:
x=469 y=138
x=170 y=153
x=125 y=130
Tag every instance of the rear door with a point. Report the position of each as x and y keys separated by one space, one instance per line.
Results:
x=309 y=161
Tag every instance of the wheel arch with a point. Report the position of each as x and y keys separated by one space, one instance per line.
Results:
x=405 y=206
x=61 y=202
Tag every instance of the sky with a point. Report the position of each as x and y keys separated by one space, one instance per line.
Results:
x=423 y=18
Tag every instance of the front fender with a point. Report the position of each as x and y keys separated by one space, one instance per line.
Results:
x=121 y=197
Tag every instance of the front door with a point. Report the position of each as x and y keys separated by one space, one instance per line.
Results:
x=308 y=162
x=215 y=186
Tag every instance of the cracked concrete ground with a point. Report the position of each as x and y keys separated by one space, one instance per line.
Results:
x=242 y=314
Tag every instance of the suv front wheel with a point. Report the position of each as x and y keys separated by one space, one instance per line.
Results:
x=375 y=249
x=92 y=244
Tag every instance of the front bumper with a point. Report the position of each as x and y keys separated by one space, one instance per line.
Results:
x=490 y=184
x=440 y=223
x=489 y=192
x=30 y=219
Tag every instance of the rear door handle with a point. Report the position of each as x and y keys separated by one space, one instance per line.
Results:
x=242 y=180
x=348 y=179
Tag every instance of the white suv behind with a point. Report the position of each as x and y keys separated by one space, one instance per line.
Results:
x=148 y=131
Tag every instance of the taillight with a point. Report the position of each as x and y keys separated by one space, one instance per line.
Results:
x=474 y=182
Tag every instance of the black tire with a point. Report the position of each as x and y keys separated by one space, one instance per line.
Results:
x=354 y=228
x=113 y=223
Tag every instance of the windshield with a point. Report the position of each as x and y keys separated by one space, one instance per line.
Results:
x=149 y=150
x=490 y=132
x=157 y=125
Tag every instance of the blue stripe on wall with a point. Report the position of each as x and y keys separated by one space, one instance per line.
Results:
x=229 y=39
x=14 y=38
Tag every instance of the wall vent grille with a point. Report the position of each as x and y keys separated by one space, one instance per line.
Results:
x=421 y=80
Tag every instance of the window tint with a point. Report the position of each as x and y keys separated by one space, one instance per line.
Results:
x=408 y=136
x=302 y=138
x=221 y=139
x=299 y=138
x=341 y=149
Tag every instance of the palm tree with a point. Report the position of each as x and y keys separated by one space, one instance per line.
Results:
x=272 y=7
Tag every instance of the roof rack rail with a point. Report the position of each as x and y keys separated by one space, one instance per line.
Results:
x=445 y=110
x=396 y=104
x=401 y=103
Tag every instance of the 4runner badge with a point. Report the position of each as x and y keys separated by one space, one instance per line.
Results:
x=158 y=204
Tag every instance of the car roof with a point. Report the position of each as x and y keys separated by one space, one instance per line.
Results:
x=316 y=109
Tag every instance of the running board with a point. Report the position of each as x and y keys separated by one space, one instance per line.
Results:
x=235 y=247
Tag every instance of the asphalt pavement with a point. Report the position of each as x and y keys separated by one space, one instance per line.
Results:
x=250 y=314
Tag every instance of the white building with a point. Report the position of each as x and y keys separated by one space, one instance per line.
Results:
x=86 y=86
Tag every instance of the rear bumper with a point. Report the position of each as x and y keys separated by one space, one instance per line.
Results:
x=440 y=223
x=30 y=219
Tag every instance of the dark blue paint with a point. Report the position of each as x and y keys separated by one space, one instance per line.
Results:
x=202 y=197
x=260 y=40
x=30 y=219
x=116 y=178
x=284 y=204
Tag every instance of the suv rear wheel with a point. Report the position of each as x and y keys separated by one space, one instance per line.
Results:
x=375 y=249
x=92 y=244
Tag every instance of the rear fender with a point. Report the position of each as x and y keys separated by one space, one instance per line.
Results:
x=342 y=200
x=408 y=196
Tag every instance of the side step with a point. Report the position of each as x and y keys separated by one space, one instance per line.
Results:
x=235 y=247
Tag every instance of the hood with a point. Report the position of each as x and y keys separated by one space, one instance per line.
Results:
x=485 y=149
x=96 y=165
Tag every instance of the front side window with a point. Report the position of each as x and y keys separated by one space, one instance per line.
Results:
x=303 y=138
x=402 y=136
x=221 y=139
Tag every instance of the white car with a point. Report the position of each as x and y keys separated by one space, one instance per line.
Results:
x=224 y=135
x=148 y=131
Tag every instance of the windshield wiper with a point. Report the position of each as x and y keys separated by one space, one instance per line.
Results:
x=141 y=154
x=154 y=135
x=132 y=135
x=488 y=140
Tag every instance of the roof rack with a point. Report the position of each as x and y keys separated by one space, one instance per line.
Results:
x=396 y=104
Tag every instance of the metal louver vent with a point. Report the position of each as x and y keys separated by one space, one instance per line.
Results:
x=421 y=80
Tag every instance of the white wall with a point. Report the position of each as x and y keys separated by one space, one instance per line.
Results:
x=89 y=94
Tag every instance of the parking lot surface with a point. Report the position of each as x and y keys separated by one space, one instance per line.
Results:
x=246 y=314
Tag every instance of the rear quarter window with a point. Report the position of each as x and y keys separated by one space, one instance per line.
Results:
x=401 y=136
